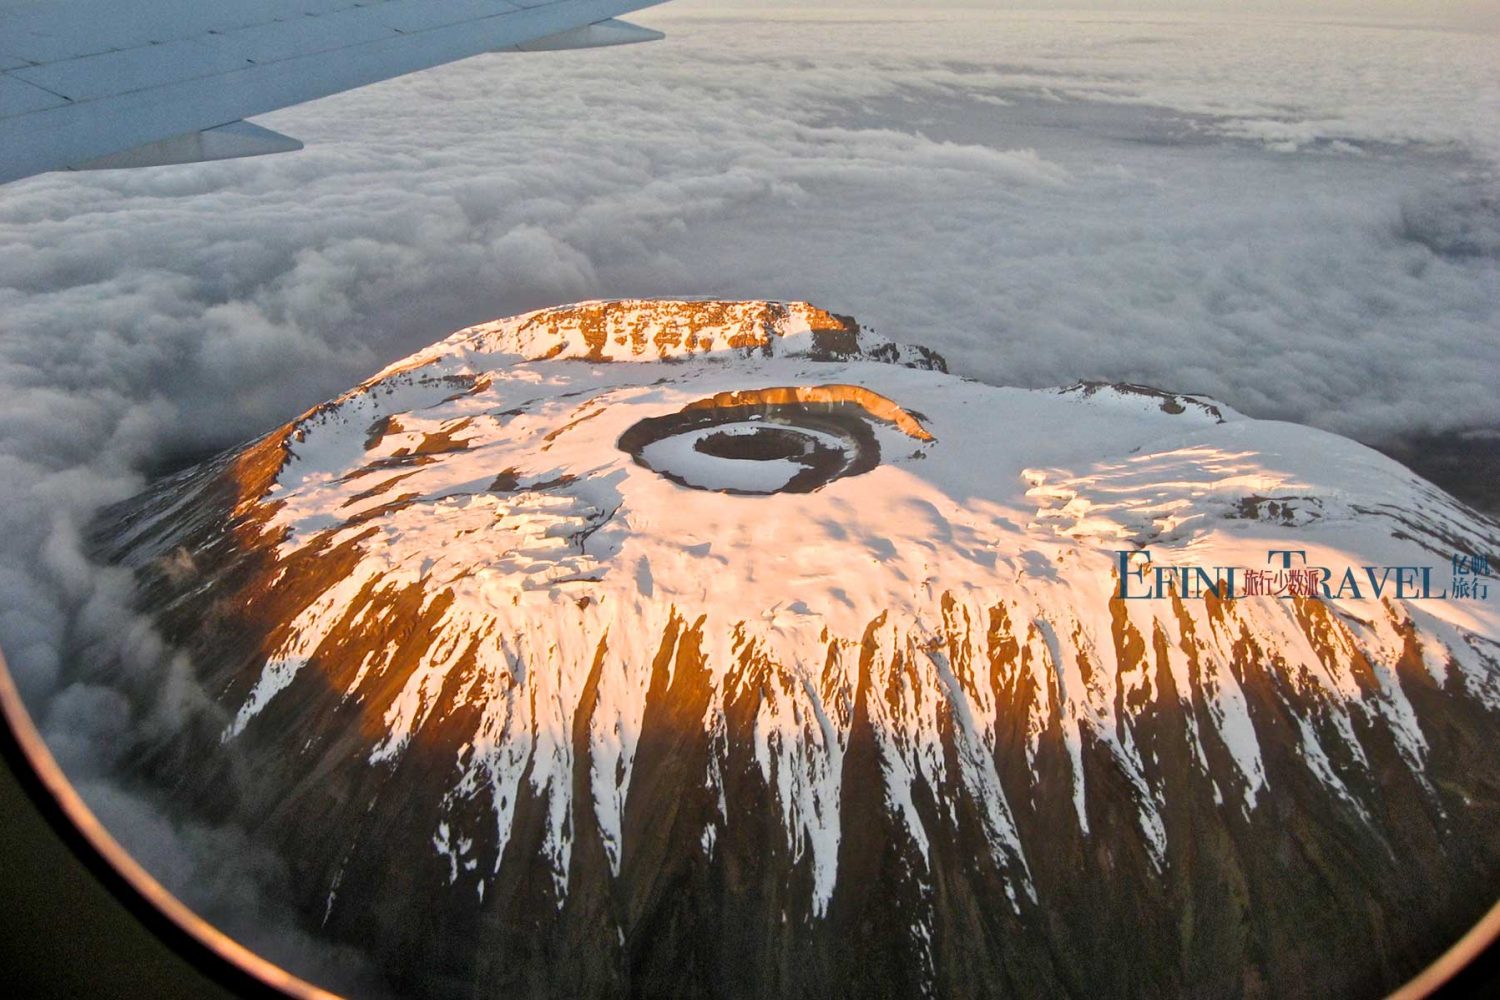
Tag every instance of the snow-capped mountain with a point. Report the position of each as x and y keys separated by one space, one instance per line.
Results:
x=721 y=648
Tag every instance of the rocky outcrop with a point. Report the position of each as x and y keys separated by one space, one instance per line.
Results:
x=677 y=329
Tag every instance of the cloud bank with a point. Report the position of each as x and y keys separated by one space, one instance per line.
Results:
x=1301 y=220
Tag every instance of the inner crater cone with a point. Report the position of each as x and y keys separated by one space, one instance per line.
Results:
x=758 y=444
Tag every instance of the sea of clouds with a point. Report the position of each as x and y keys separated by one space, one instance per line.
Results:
x=1299 y=218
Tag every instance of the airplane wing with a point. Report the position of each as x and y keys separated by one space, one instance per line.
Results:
x=91 y=84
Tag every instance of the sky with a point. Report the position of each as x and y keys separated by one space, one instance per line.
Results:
x=1299 y=217
x=1470 y=14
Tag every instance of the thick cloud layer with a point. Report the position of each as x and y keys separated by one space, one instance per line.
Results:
x=1300 y=219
